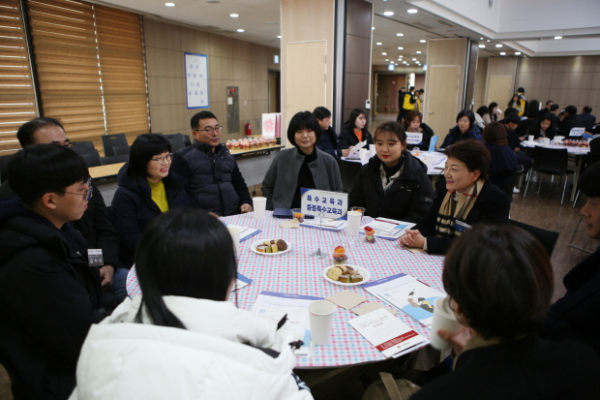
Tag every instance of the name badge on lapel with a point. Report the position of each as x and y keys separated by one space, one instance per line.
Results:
x=461 y=227
x=95 y=257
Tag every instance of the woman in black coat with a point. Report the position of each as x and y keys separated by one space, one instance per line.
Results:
x=354 y=131
x=394 y=184
x=413 y=123
x=504 y=160
x=146 y=189
x=543 y=127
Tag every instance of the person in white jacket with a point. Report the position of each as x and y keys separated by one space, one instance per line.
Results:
x=183 y=339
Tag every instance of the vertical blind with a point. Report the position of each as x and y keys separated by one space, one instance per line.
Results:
x=17 y=96
x=90 y=69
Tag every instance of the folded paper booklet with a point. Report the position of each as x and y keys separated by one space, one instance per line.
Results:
x=387 y=333
x=273 y=306
x=245 y=232
x=242 y=281
x=325 y=223
x=386 y=228
x=407 y=294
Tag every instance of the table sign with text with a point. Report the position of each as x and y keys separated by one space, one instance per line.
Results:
x=414 y=138
x=324 y=204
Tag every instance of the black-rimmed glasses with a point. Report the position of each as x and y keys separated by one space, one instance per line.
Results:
x=88 y=193
x=164 y=159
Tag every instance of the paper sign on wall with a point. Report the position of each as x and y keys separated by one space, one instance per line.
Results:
x=196 y=80
x=322 y=203
x=414 y=138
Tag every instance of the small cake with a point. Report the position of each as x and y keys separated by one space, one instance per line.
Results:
x=334 y=273
x=261 y=248
x=356 y=277
x=268 y=249
x=282 y=245
x=369 y=234
x=274 y=248
x=273 y=241
x=344 y=278
x=267 y=242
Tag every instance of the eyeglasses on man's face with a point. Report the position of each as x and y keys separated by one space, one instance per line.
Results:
x=88 y=193
x=164 y=159
x=210 y=130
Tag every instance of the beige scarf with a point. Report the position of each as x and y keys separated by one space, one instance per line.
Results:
x=453 y=209
x=388 y=182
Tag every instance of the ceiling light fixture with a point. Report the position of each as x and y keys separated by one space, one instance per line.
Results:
x=400 y=48
x=387 y=59
x=557 y=37
x=388 y=13
x=480 y=38
x=278 y=36
x=423 y=41
x=170 y=4
x=414 y=59
x=240 y=30
x=234 y=15
x=498 y=45
x=488 y=40
x=502 y=53
x=378 y=43
x=412 y=11
x=384 y=54
x=372 y=28
x=517 y=53
x=399 y=34
x=482 y=46
x=418 y=52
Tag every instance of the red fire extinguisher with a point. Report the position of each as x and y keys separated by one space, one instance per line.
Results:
x=248 y=129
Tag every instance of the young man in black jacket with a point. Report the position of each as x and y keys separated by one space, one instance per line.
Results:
x=49 y=295
x=328 y=142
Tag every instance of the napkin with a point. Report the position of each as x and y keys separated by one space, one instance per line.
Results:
x=346 y=299
x=367 y=308
x=290 y=224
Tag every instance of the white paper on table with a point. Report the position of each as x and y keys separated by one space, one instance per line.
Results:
x=387 y=228
x=440 y=165
x=407 y=294
x=245 y=232
x=273 y=306
x=387 y=333
x=356 y=149
x=324 y=222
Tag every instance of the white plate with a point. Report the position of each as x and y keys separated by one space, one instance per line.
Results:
x=258 y=242
x=364 y=272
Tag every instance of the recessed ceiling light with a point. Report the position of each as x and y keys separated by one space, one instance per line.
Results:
x=240 y=30
x=399 y=34
x=400 y=48
x=488 y=40
x=517 y=53
x=387 y=59
x=388 y=13
x=423 y=41
x=412 y=11
x=234 y=15
x=372 y=28
x=278 y=36
x=407 y=64
x=557 y=37
x=418 y=52
x=400 y=56
x=170 y=4
x=480 y=38
x=498 y=45
x=384 y=54
x=482 y=46
x=502 y=53
x=378 y=43
x=414 y=59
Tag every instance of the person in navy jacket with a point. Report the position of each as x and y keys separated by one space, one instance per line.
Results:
x=504 y=160
x=465 y=129
x=146 y=189
x=328 y=142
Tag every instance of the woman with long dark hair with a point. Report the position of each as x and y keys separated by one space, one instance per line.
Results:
x=182 y=338
x=354 y=131
x=413 y=123
x=543 y=127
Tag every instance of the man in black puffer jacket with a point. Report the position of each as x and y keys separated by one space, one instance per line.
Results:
x=212 y=178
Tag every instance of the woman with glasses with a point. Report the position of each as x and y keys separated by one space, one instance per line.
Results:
x=146 y=189
x=183 y=338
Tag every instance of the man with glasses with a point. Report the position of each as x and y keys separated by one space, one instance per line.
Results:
x=49 y=295
x=212 y=178
x=95 y=224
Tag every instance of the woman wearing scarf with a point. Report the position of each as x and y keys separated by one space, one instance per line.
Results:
x=463 y=198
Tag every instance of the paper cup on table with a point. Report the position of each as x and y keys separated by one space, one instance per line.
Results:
x=235 y=237
x=353 y=224
x=546 y=141
x=443 y=318
x=260 y=205
x=364 y=154
x=372 y=150
x=530 y=138
x=321 y=321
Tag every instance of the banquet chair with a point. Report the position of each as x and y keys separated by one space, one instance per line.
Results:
x=92 y=159
x=84 y=147
x=512 y=182
x=120 y=150
x=552 y=162
x=109 y=142
x=547 y=238
x=349 y=171
x=592 y=158
x=115 y=159
x=177 y=141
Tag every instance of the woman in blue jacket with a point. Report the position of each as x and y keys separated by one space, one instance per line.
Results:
x=465 y=129
x=146 y=189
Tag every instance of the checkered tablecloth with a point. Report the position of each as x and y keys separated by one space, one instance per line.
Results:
x=296 y=272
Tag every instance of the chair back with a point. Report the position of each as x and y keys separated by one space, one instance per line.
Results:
x=177 y=141
x=349 y=171
x=592 y=158
x=110 y=141
x=547 y=238
x=3 y=167
x=121 y=150
x=433 y=142
x=92 y=159
x=595 y=145
x=84 y=147
x=551 y=161
x=115 y=159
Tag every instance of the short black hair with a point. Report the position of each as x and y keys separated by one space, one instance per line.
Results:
x=28 y=129
x=354 y=114
x=44 y=168
x=411 y=88
x=474 y=154
x=510 y=110
x=533 y=109
x=501 y=278
x=303 y=120
x=549 y=101
x=483 y=110
x=554 y=107
x=572 y=110
x=144 y=148
x=521 y=90
x=466 y=113
x=321 y=113
x=587 y=109
x=514 y=118
x=394 y=128
x=589 y=182
x=195 y=122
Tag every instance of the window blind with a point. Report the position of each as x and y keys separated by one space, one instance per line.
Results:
x=17 y=96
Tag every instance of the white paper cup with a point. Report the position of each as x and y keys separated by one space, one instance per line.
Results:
x=353 y=224
x=235 y=237
x=530 y=138
x=260 y=205
x=364 y=154
x=320 y=314
x=372 y=150
x=546 y=141
x=443 y=318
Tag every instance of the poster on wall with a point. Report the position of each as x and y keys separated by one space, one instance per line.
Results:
x=196 y=80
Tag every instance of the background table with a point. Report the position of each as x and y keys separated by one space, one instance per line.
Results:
x=430 y=158
x=296 y=272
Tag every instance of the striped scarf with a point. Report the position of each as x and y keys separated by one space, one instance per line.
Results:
x=456 y=209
